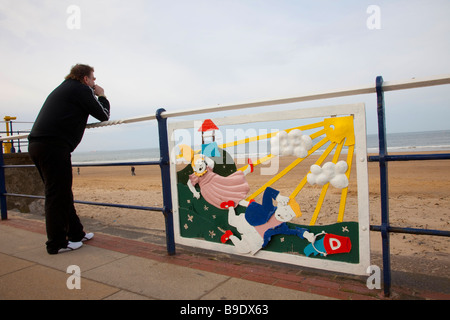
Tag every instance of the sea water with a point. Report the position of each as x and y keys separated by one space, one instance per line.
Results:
x=412 y=141
x=428 y=141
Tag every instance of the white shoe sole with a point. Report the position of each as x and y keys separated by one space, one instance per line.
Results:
x=87 y=237
x=71 y=246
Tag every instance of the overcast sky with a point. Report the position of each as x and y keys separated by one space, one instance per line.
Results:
x=189 y=53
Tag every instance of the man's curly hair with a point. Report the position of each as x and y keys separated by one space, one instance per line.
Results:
x=79 y=71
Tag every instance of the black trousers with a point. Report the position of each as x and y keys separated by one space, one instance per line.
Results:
x=53 y=161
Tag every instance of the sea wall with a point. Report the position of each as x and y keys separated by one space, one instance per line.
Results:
x=23 y=181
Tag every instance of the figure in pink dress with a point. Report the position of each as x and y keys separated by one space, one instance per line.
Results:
x=217 y=189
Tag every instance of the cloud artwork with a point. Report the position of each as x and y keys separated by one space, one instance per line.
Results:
x=329 y=173
x=294 y=143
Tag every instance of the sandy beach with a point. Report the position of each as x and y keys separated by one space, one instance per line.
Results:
x=419 y=198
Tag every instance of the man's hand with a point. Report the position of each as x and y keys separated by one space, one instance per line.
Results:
x=99 y=91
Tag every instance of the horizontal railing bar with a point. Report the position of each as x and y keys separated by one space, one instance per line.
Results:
x=387 y=86
x=416 y=83
x=122 y=121
x=429 y=232
x=23 y=195
x=117 y=164
x=19 y=166
x=124 y=206
x=105 y=164
x=14 y=137
x=115 y=205
x=412 y=157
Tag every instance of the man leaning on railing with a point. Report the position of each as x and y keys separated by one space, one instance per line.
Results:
x=57 y=131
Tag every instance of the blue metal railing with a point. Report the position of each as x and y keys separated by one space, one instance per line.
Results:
x=19 y=143
x=3 y=207
x=165 y=177
x=383 y=158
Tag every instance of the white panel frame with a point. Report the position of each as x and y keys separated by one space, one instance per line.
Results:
x=360 y=154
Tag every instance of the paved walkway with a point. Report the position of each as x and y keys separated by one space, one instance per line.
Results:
x=114 y=268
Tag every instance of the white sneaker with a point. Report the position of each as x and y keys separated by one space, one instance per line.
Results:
x=71 y=246
x=87 y=236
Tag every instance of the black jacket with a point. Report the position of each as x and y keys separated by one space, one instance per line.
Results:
x=64 y=115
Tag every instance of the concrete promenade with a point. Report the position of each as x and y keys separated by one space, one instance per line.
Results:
x=117 y=268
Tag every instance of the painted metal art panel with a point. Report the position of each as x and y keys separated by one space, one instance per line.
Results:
x=308 y=206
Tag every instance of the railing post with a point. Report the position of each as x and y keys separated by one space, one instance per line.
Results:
x=165 y=177
x=3 y=206
x=384 y=187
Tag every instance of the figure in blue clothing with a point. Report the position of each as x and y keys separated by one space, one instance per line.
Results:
x=262 y=221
